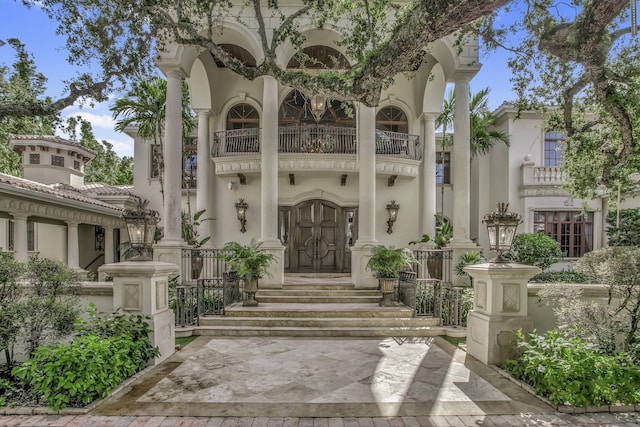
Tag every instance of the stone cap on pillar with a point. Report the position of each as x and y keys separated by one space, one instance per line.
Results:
x=493 y=270
x=139 y=269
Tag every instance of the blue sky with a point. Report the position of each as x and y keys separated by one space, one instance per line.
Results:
x=37 y=33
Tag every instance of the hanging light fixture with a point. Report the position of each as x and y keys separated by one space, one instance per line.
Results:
x=318 y=106
x=501 y=226
x=141 y=226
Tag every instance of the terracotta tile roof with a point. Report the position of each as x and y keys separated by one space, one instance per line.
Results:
x=57 y=190
x=107 y=190
x=50 y=138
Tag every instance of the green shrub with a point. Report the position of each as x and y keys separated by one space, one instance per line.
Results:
x=536 y=249
x=570 y=372
x=86 y=369
x=562 y=277
x=628 y=231
x=107 y=350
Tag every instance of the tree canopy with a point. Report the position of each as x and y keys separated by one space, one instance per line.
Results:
x=578 y=62
x=575 y=56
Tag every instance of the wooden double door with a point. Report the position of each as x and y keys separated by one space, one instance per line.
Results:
x=321 y=234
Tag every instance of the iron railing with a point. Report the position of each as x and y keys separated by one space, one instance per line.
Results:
x=434 y=264
x=208 y=297
x=432 y=298
x=310 y=139
x=201 y=264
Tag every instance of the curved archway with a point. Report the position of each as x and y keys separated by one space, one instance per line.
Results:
x=392 y=119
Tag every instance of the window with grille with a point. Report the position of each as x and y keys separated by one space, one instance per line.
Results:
x=553 y=142
x=572 y=229
x=443 y=167
x=31 y=236
x=156 y=160
x=190 y=164
x=76 y=165
x=34 y=158
x=243 y=116
x=57 y=160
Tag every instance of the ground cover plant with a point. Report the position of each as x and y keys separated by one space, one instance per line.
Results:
x=105 y=351
x=570 y=371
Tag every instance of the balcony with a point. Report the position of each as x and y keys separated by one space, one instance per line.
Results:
x=316 y=147
x=541 y=180
x=315 y=140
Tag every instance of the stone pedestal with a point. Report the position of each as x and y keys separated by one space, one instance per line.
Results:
x=360 y=275
x=142 y=287
x=169 y=252
x=499 y=309
x=275 y=278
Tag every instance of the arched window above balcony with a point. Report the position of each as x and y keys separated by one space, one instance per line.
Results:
x=392 y=119
x=243 y=116
x=239 y=53
x=296 y=109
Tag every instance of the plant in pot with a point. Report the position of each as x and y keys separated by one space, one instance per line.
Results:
x=385 y=263
x=435 y=260
x=250 y=262
x=191 y=236
x=468 y=258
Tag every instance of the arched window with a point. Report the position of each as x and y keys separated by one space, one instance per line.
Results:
x=296 y=109
x=243 y=116
x=392 y=119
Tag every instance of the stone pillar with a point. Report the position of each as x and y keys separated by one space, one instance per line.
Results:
x=73 y=250
x=169 y=249
x=20 y=237
x=142 y=287
x=428 y=176
x=269 y=183
x=366 y=128
x=202 y=173
x=499 y=309
x=108 y=245
x=461 y=162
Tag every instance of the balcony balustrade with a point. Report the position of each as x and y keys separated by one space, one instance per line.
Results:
x=315 y=139
x=542 y=175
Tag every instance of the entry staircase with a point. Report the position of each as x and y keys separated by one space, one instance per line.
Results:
x=317 y=307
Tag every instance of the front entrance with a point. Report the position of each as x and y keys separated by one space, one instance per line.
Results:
x=321 y=234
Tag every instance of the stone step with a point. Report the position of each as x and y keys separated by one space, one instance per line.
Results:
x=316 y=310
x=320 y=286
x=319 y=331
x=315 y=322
x=318 y=299
x=318 y=292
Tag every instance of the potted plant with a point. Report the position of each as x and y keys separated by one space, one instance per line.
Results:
x=435 y=260
x=249 y=262
x=385 y=263
x=191 y=236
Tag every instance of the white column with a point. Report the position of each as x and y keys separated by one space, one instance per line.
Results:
x=173 y=158
x=202 y=173
x=428 y=182
x=461 y=162
x=269 y=185
x=361 y=251
x=108 y=245
x=269 y=162
x=20 y=237
x=73 y=251
x=367 y=177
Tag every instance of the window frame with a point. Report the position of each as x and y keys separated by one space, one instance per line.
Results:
x=553 y=156
x=443 y=178
x=573 y=230
x=57 y=161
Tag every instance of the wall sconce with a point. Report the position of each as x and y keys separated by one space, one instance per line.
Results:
x=230 y=185
x=501 y=226
x=241 y=211
x=392 y=209
x=318 y=106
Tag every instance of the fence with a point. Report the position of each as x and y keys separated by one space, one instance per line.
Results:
x=208 y=297
x=433 y=298
x=201 y=264
x=434 y=264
